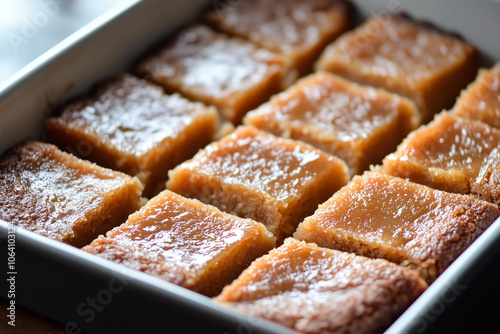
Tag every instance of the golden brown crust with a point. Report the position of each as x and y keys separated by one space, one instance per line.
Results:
x=145 y=261
x=230 y=73
x=433 y=84
x=381 y=216
x=318 y=290
x=296 y=29
x=356 y=123
x=185 y=242
x=431 y=255
x=256 y=175
x=60 y=196
x=452 y=154
x=481 y=100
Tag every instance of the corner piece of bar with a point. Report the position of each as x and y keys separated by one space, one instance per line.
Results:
x=453 y=154
x=481 y=99
x=57 y=195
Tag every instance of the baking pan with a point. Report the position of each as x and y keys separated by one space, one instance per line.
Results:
x=90 y=295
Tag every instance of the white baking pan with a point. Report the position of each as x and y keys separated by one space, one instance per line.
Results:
x=87 y=293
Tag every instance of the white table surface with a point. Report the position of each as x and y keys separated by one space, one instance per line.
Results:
x=28 y=28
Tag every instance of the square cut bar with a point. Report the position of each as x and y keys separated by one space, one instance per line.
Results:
x=359 y=124
x=452 y=154
x=57 y=195
x=382 y=216
x=253 y=174
x=296 y=29
x=185 y=242
x=233 y=74
x=481 y=99
x=131 y=125
x=405 y=57
x=318 y=290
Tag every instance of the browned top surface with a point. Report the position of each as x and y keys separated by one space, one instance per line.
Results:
x=481 y=100
x=264 y=163
x=312 y=289
x=210 y=65
x=285 y=26
x=130 y=115
x=171 y=231
x=330 y=107
x=392 y=212
x=457 y=146
x=49 y=192
x=397 y=49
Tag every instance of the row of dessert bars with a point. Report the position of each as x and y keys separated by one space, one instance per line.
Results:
x=307 y=285
x=131 y=125
x=121 y=125
x=243 y=194
x=383 y=214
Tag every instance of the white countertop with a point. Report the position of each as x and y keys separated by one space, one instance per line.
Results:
x=28 y=28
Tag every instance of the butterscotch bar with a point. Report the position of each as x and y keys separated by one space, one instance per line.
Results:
x=57 y=195
x=185 y=242
x=382 y=216
x=405 y=57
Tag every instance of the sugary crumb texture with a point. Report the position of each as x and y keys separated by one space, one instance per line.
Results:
x=279 y=158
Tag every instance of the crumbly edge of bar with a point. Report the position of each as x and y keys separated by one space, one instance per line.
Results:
x=114 y=210
x=376 y=312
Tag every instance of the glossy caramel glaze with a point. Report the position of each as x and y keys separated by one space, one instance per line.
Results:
x=215 y=69
x=131 y=115
x=324 y=102
x=53 y=193
x=131 y=125
x=398 y=48
x=253 y=174
x=481 y=100
x=317 y=290
x=339 y=117
x=383 y=216
x=189 y=235
x=449 y=154
x=451 y=144
x=383 y=210
x=405 y=57
x=183 y=241
x=295 y=28
x=261 y=162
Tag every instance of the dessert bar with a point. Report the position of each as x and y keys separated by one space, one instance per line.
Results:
x=57 y=195
x=452 y=154
x=405 y=57
x=318 y=290
x=358 y=124
x=185 y=242
x=382 y=216
x=299 y=30
x=131 y=125
x=253 y=174
x=233 y=74
x=481 y=99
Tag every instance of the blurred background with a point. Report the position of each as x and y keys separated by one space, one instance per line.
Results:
x=28 y=28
